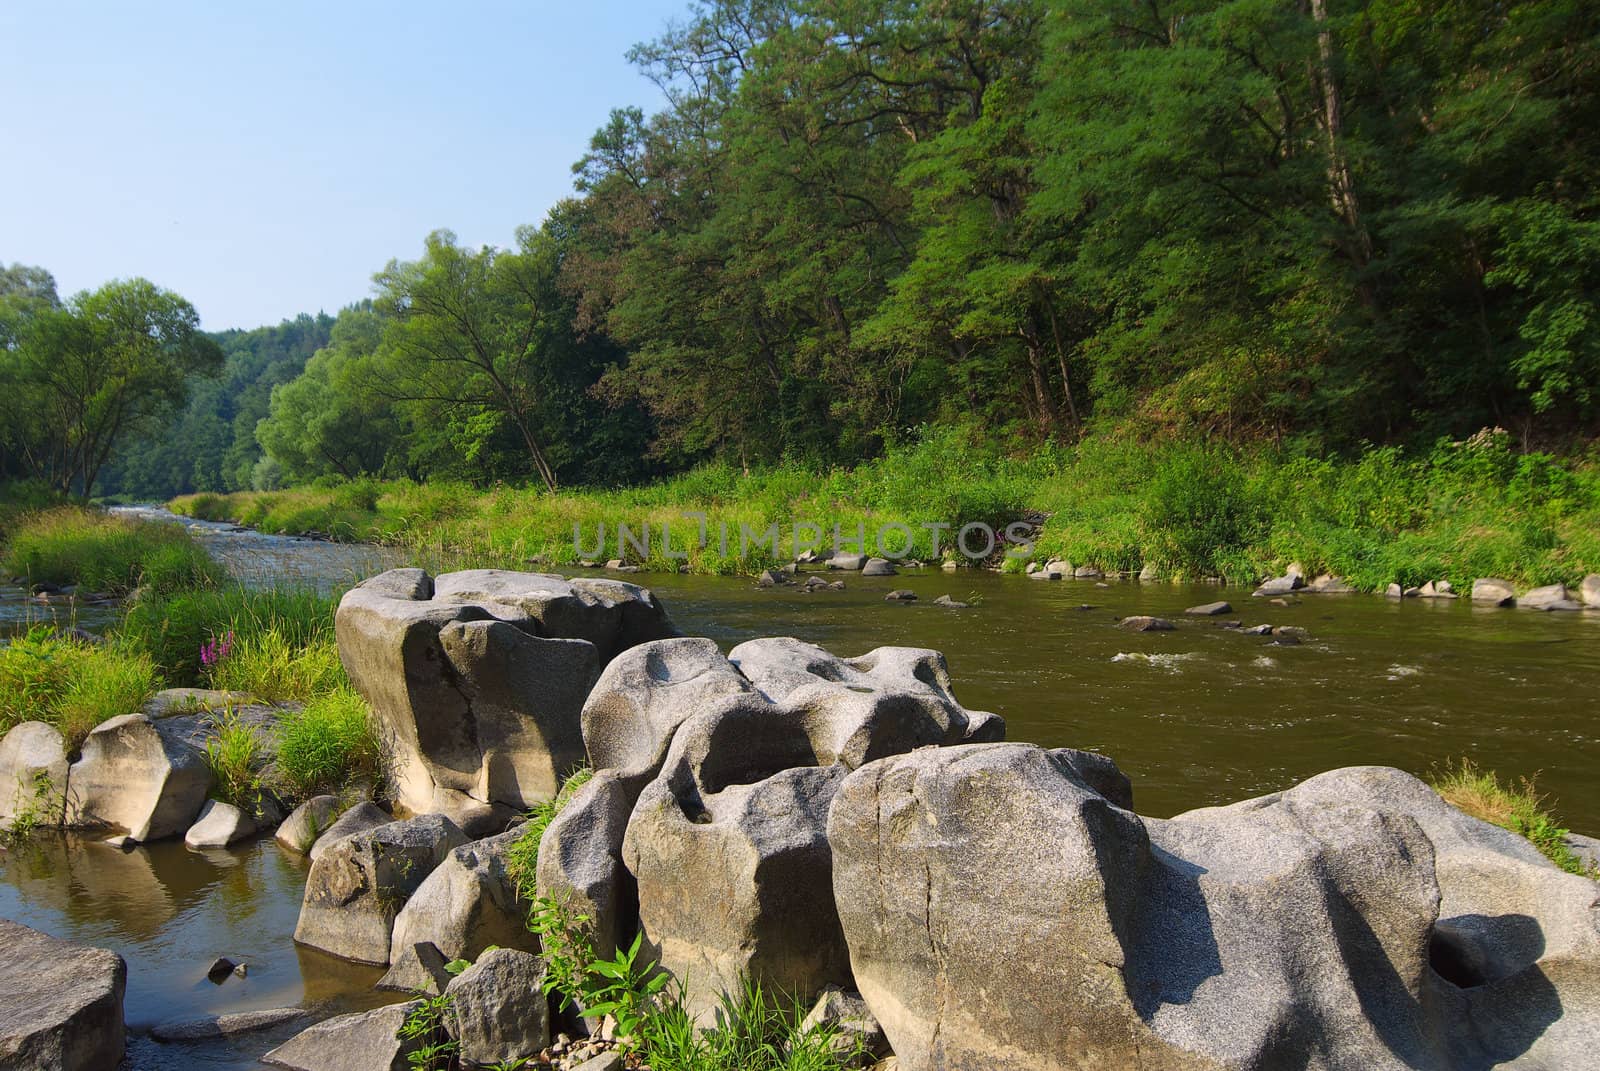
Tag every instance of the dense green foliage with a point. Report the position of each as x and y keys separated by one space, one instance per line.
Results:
x=1466 y=509
x=327 y=746
x=104 y=553
x=210 y=445
x=80 y=379
x=70 y=684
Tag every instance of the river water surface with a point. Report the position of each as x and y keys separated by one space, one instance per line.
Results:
x=1197 y=716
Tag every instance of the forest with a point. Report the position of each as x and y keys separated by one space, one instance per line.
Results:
x=1309 y=227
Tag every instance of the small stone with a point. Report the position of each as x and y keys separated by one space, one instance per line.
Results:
x=1087 y=572
x=950 y=567
x=220 y=969
x=1258 y=630
x=1394 y=591
x=606 y=1061
x=878 y=567
x=1210 y=609
x=953 y=604
x=1491 y=591
x=901 y=595
x=1143 y=623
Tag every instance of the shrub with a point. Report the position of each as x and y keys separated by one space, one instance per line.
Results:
x=326 y=745
x=1202 y=507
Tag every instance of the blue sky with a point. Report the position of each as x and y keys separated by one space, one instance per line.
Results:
x=264 y=159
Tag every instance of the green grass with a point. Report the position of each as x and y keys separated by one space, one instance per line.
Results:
x=69 y=684
x=327 y=745
x=115 y=555
x=1518 y=807
x=1118 y=501
x=174 y=628
x=270 y=667
x=236 y=752
x=755 y=1031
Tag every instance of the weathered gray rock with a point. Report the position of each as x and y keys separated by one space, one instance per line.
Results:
x=1548 y=597
x=359 y=884
x=365 y=1041
x=949 y=603
x=1145 y=623
x=1149 y=572
x=878 y=567
x=1179 y=944
x=1589 y=591
x=1087 y=572
x=1494 y=592
x=231 y=1024
x=644 y=695
x=219 y=825
x=308 y=822
x=364 y=816
x=1281 y=585
x=468 y=903
x=418 y=967
x=33 y=774
x=580 y=859
x=498 y=1010
x=1210 y=609
x=901 y=595
x=139 y=776
x=173 y=702
x=1587 y=849
x=855 y=1029
x=60 y=1003
x=478 y=688
x=851 y=562
x=759 y=854
x=1328 y=584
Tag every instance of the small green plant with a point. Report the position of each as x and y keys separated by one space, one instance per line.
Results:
x=431 y=1047
x=1519 y=808
x=325 y=745
x=235 y=752
x=33 y=803
x=522 y=861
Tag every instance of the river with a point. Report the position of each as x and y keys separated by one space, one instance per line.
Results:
x=1196 y=716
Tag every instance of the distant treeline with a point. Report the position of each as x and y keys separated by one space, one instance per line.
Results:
x=1323 y=223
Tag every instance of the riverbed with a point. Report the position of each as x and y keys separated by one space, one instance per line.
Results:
x=1196 y=716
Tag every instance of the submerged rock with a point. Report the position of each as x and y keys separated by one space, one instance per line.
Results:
x=1145 y=623
x=1210 y=609
x=60 y=1003
x=365 y=1041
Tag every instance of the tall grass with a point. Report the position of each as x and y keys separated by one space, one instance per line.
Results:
x=69 y=684
x=175 y=628
x=327 y=745
x=1457 y=512
x=236 y=752
x=100 y=552
x=268 y=666
x=1518 y=806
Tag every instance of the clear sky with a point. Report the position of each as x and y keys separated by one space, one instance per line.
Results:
x=264 y=159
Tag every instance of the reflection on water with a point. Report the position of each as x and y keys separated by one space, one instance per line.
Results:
x=170 y=912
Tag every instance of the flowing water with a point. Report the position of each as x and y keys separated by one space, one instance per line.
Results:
x=1196 y=716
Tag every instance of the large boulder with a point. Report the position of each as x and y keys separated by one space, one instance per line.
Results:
x=33 y=774
x=141 y=777
x=364 y=1041
x=358 y=885
x=60 y=1003
x=498 y=1009
x=1303 y=929
x=466 y=905
x=478 y=678
x=580 y=860
x=644 y=695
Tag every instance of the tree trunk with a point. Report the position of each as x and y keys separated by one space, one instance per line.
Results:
x=1341 y=184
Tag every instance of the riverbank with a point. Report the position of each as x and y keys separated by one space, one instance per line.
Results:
x=1181 y=511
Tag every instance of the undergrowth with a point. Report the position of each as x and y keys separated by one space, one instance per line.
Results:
x=1519 y=807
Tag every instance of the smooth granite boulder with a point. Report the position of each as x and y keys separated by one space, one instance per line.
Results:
x=478 y=678
x=359 y=885
x=1250 y=941
x=498 y=1009
x=468 y=903
x=140 y=777
x=219 y=825
x=33 y=774
x=364 y=1041
x=60 y=1003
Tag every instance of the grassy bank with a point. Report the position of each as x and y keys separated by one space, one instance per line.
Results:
x=185 y=625
x=1463 y=510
